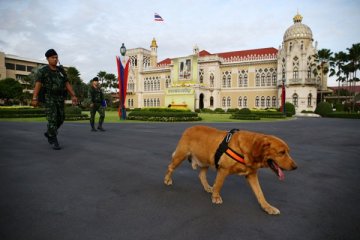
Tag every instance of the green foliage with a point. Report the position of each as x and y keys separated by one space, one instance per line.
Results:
x=246 y=116
x=323 y=108
x=219 y=110
x=232 y=110
x=289 y=109
x=163 y=115
x=245 y=111
x=72 y=110
x=339 y=107
x=10 y=89
x=28 y=112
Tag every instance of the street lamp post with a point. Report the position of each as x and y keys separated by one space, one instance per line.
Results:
x=122 y=77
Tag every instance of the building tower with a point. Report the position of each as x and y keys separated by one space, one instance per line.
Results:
x=295 y=66
x=153 y=58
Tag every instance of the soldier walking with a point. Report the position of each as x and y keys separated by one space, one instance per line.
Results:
x=98 y=104
x=53 y=81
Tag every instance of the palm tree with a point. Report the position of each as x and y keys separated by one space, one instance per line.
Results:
x=339 y=60
x=323 y=59
x=354 y=62
x=101 y=75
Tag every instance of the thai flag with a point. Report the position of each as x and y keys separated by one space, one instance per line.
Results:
x=158 y=18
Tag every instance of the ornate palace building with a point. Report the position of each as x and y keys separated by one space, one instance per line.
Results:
x=237 y=79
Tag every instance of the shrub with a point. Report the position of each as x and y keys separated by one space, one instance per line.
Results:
x=21 y=112
x=289 y=109
x=323 y=108
x=247 y=116
x=72 y=110
x=343 y=115
x=219 y=110
x=232 y=110
x=163 y=115
x=244 y=111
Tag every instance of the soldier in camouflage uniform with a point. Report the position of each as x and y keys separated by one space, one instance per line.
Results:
x=98 y=104
x=52 y=80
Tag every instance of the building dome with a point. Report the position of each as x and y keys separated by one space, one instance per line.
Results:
x=298 y=30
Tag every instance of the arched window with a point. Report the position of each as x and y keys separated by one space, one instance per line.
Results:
x=145 y=103
x=240 y=102
x=245 y=102
x=151 y=103
x=268 y=79
x=268 y=102
x=290 y=47
x=229 y=81
x=296 y=73
x=211 y=80
x=257 y=101
x=211 y=101
x=224 y=102
x=240 y=81
x=224 y=81
x=262 y=101
x=309 y=72
x=273 y=104
x=263 y=79
x=274 y=79
x=257 y=80
x=158 y=102
x=295 y=99
x=309 y=100
x=245 y=80
x=228 y=102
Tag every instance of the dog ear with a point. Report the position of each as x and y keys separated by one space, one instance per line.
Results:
x=261 y=143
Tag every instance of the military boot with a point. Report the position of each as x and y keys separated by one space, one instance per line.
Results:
x=93 y=129
x=100 y=128
x=50 y=139
x=56 y=145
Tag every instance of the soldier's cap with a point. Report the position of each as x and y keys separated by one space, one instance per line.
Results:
x=50 y=52
x=96 y=79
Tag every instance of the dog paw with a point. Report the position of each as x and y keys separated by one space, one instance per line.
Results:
x=168 y=181
x=271 y=210
x=217 y=199
x=208 y=189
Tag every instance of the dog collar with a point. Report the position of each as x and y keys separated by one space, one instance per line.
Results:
x=224 y=148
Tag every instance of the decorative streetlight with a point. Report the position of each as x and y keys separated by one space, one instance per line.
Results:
x=123 y=50
x=283 y=95
x=123 y=79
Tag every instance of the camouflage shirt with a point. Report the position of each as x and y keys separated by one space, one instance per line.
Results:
x=96 y=95
x=53 y=82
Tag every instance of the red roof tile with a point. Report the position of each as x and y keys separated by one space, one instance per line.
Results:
x=244 y=53
x=166 y=61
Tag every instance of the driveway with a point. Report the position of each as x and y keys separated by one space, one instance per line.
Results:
x=110 y=185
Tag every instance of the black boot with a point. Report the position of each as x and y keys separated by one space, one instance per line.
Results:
x=100 y=128
x=92 y=126
x=50 y=139
x=55 y=144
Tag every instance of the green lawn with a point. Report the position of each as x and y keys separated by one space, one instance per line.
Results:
x=112 y=117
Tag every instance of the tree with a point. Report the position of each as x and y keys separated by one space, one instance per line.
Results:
x=80 y=88
x=101 y=75
x=10 y=89
x=323 y=59
x=111 y=81
x=337 y=69
x=354 y=65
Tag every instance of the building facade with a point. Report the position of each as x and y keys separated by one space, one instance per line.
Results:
x=237 y=79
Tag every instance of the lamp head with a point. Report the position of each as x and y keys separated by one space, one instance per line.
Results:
x=123 y=50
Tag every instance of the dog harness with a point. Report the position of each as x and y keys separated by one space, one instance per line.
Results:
x=224 y=148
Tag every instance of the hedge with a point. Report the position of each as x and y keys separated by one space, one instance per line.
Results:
x=163 y=115
x=248 y=116
x=21 y=112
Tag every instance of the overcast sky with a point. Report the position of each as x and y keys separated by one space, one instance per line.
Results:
x=87 y=34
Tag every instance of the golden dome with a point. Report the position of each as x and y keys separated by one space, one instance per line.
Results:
x=298 y=30
x=153 y=44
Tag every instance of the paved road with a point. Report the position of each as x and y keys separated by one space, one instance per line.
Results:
x=110 y=185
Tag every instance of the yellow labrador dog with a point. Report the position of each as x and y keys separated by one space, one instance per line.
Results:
x=234 y=152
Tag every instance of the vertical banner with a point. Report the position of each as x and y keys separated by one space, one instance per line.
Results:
x=283 y=98
x=122 y=83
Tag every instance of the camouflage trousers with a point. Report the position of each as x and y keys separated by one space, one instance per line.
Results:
x=55 y=115
x=101 y=110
